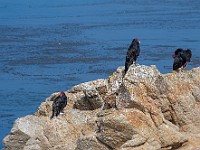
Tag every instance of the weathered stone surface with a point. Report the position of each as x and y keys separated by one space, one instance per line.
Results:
x=143 y=109
x=90 y=143
x=23 y=130
x=88 y=96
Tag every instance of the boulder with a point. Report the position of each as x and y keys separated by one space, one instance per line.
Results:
x=142 y=109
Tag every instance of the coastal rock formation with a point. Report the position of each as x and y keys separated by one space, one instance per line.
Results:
x=143 y=110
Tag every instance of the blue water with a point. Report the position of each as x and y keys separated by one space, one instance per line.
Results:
x=48 y=46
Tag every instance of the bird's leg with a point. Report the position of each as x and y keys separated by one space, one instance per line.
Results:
x=62 y=111
x=185 y=65
x=182 y=68
x=179 y=70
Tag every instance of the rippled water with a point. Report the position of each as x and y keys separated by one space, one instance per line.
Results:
x=49 y=46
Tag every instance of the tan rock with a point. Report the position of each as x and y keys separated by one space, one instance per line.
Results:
x=142 y=110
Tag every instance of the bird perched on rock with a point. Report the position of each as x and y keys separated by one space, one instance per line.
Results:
x=181 y=58
x=132 y=53
x=59 y=104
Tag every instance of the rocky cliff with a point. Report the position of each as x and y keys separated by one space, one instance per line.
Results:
x=143 y=110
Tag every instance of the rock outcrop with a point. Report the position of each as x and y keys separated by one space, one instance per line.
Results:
x=143 y=110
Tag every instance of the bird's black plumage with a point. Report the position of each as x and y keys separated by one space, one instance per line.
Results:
x=178 y=52
x=59 y=104
x=181 y=58
x=132 y=53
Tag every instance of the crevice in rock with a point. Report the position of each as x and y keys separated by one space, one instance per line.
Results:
x=177 y=145
x=174 y=146
x=173 y=116
x=138 y=106
x=169 y=116
x=106 y=145
x=170 y=113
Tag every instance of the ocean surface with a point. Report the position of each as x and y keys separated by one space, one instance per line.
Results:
x=49 y=46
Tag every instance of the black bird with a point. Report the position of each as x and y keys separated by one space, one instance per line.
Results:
x=181 y=58
x=178 y=52
x=132 y=53
x=59 y=104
